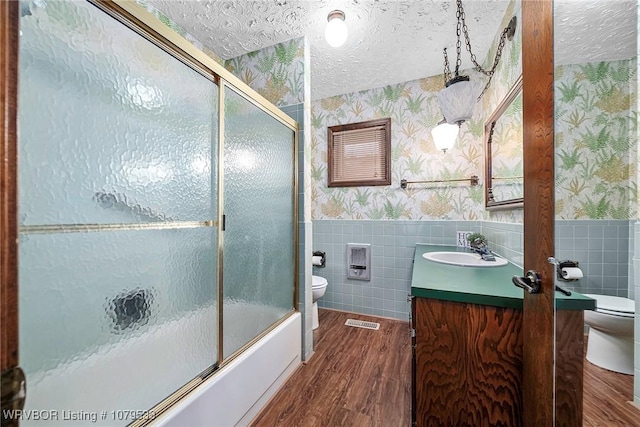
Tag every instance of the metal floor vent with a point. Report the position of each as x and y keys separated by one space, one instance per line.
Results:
x=362 y=324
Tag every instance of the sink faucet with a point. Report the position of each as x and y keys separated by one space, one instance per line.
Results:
x=483 y=250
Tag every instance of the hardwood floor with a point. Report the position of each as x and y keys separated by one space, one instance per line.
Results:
x=606 y=397
x=361 y=378
x=357 y=377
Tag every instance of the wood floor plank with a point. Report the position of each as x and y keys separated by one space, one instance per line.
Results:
x=356 y=377
x=606 y=395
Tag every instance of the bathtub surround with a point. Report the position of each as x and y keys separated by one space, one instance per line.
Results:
x=305 y=236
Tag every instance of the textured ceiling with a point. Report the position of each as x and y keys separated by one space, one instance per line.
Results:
x=594 y=30
x=393 y=41
x=389 y=41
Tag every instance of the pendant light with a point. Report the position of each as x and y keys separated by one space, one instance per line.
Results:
x=444 y=135
x=457 y=100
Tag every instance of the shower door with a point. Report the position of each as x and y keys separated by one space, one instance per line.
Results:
x=117 y=217
x=259 y=210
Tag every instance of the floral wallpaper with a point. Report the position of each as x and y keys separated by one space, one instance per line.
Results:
x=276 y=72
x=596 y=145
x=596 y=136
x=414 y=111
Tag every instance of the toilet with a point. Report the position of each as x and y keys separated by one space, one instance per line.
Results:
x=610 y=344
x=318 y=288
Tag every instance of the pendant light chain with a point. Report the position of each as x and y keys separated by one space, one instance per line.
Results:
x=447 y=70
x=461 y=28
x=460 y=17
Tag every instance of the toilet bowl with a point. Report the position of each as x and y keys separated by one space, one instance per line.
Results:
x=318 y=288
x=610 y=344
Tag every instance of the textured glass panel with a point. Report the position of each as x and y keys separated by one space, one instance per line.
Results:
x=259 y=234
x=112 y=131
x=115 y=320
x=112 y=128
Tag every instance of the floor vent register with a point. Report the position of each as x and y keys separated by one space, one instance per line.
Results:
x=362 y=324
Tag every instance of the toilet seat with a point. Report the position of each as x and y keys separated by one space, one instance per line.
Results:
x=614 y=306
x=318 y=282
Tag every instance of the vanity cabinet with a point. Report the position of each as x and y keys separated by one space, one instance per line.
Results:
x=468 y=349
x=467 y=364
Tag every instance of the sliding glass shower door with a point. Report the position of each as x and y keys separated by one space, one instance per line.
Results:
x=131 y=146
x=259 y=208
x=118 y=208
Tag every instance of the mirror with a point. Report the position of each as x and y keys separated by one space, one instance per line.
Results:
x=504 y=182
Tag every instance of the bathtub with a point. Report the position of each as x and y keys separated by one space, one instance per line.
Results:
x=88 y=390
x=237 y=393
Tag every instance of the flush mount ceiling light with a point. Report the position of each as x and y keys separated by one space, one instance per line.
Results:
x=458 y=98
x=444 y=135
x=336 y=31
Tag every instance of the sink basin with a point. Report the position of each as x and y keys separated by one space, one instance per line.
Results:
x=463 y=259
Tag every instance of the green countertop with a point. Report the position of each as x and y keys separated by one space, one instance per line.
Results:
x=477 y=285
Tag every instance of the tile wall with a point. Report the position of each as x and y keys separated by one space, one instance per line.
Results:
x=392 y=245
x=604 y=249
x=505 y=239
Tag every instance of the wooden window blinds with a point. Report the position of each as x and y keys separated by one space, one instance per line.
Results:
x=360 y=154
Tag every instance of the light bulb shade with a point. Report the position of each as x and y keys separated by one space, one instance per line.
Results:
x=458 y=100
x=336 y=31
x=444 y=135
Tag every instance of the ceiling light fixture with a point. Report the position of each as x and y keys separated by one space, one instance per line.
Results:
x=444 y=135
x=336 y=31
x=458 y=98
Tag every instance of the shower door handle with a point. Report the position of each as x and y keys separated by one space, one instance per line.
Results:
x=531 y=282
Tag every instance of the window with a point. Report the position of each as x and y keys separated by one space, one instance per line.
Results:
x=360 y=154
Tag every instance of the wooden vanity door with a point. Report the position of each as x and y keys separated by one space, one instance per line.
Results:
x=539 y=197
x=467 y=364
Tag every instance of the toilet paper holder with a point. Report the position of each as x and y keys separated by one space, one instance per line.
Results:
x=323 y=258
x=563 y=264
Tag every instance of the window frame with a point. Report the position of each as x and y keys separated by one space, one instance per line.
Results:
x=386 y=153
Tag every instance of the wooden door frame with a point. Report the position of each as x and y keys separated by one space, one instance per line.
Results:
x=9 y=44
x=539 y=198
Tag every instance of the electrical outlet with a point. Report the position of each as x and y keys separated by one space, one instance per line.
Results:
x=462 y=240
